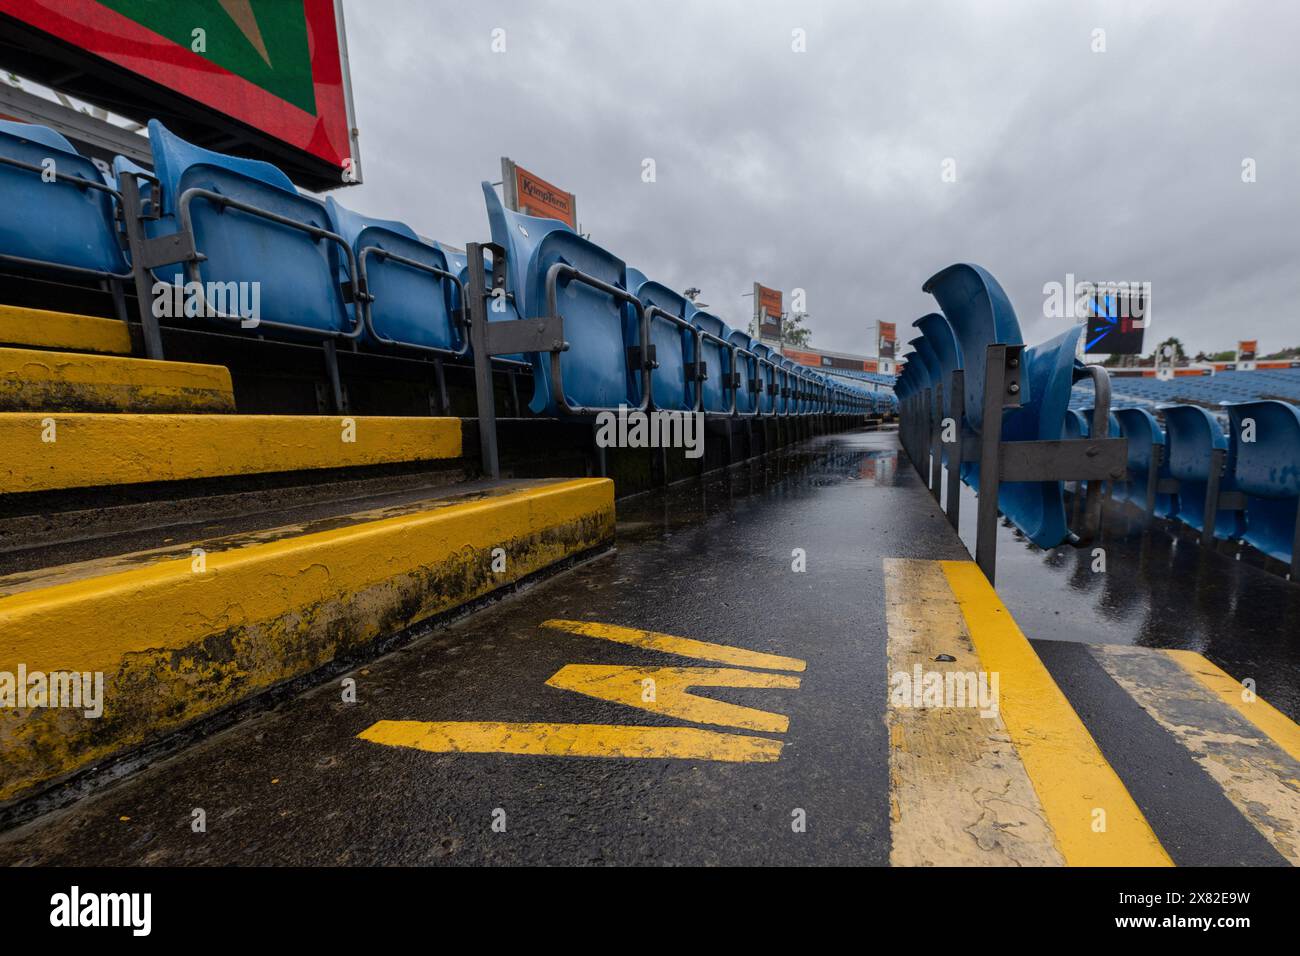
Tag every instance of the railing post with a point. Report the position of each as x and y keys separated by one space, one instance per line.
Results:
x=986 y=526
x=487 y=418
x=135 y=240
x=957 y=410
x=1211 y=514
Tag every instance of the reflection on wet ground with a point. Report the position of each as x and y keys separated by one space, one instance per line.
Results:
x=1157 y=590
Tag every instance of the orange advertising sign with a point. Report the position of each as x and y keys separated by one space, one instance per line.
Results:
x=770 y=299
x=534 y=196
x=1246 y=349
x=888 y=331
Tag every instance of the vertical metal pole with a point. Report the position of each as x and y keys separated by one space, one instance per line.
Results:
x=986 y=526
x=332 y=373
x=936 y=444
x=957 y=410
x=487 y=415
x=1153 y=479
x=131 y=208
x=1211 y=515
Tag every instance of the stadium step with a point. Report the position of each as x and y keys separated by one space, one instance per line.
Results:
x=194 y=626
x=64 y=331
x=47 y=381
x=62 y=451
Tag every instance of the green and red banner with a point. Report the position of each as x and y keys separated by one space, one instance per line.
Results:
x=275 y=65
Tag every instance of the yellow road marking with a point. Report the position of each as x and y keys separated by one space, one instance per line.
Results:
x=63 y=330
x=683 y=646
x=668 y=692
x=1257 y=776
x=1071 y=777
x=1277 y=726
x=572 y=740
x=77 y=450
x=959 y=795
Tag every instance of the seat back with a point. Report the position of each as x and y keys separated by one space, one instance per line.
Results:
x=1268 y=471
x=980 y=315
x=60 y=223
x=768 y=377
x=938 y=334
x=597 y=326
x=1038 y=507
x=1144 y=434
x=297 y=272
x=674 y=345
x=717 y=360
x=1192 y=435
x=410 y=306
x=747 y=366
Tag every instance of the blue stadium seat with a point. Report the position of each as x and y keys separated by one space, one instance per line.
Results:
x=980 y=315
x=411 y=305
x=59 y=225
x=715 y=351
x=1038 y=508
x=600 y=326
x=938 y=334
x=673 y=338
x=1192 y=434
x=1268 y=472
x=747 y=366
x=770 y=380
x=1144 y=433
x=297 y=267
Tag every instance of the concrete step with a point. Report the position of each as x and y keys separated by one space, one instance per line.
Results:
x=66 y=331
x=186 y=630
x=32 y=380
x=73 y=450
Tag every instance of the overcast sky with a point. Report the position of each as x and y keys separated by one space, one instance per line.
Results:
x=822 y=169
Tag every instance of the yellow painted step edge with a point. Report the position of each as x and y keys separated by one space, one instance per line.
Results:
x=46 y=452
x=63 y=330
x=40 y=381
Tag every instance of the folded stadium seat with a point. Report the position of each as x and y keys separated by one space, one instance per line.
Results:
x=769 y=380
x=938 y=336
x=295 y=257
x=1038 y=508
x=1192 y=435
x=599 y=326
x=980 y=315
x=672 y=387
x=1268 y=472
x=1144 y=433
x=790 y=382
x=1076 y=426
x=410 y=303
x=61 y=225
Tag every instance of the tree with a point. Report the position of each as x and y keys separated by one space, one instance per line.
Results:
x=794 y=332
x=1180 y=355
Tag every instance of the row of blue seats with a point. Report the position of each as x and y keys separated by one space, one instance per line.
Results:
x=1265 y=471
x=1233 y=386
x=328 y=272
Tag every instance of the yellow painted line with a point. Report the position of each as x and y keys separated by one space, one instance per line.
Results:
x=665 y=690
x=74 y=450
x=682 y=646
x=573 y=740
x=1274 y=724
x=176 y=641
x=50 y=381
x=1071 y=777
x=1254 y=772
x=63 y=330
x=959 y=794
